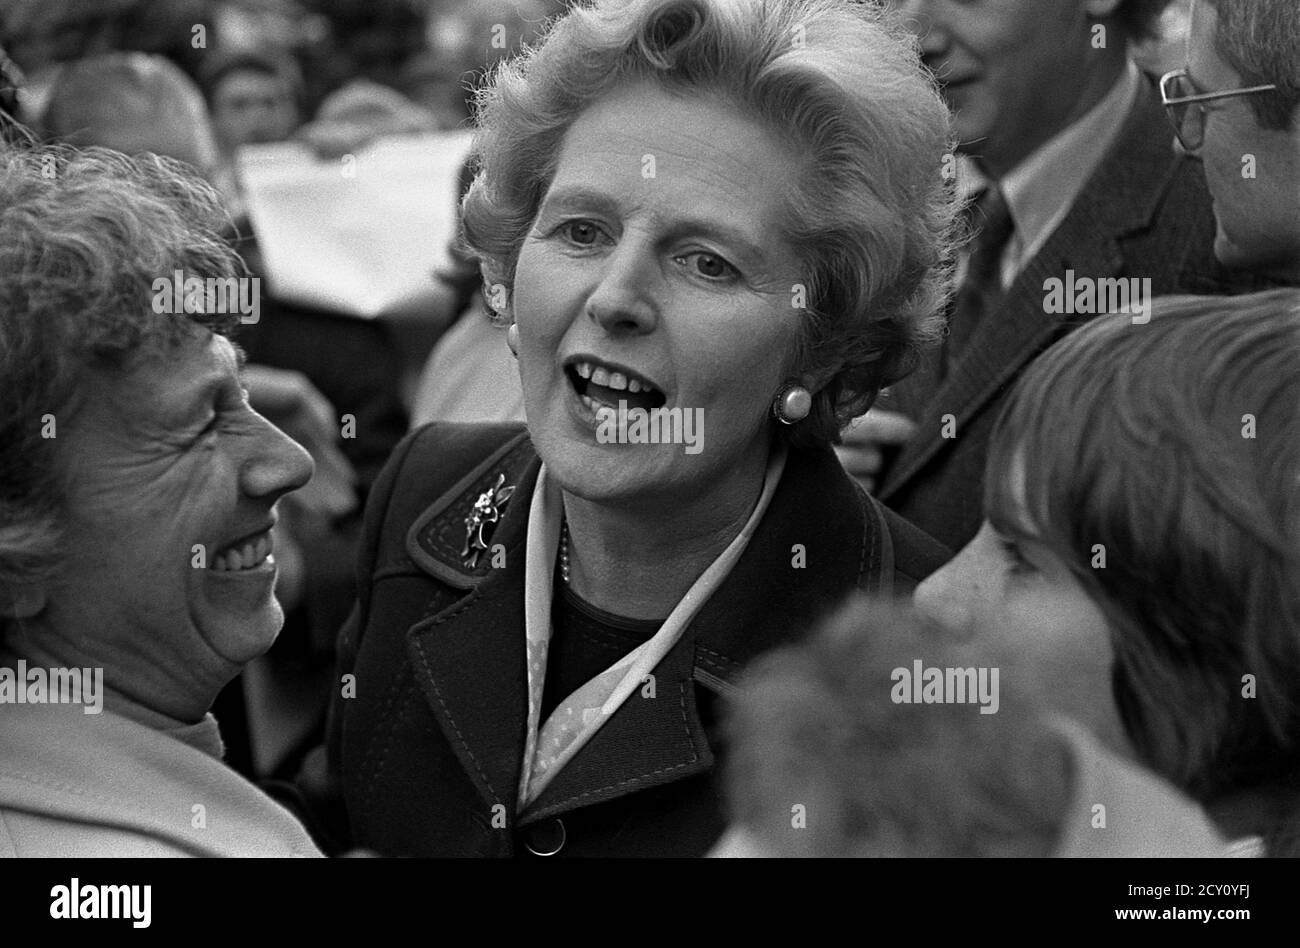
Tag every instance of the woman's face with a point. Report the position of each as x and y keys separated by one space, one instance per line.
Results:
x=172 y=484
x=655 y=263
x=1017 y=592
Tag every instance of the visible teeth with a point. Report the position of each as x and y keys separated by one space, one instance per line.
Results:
x=248 y=555
x=618 y=381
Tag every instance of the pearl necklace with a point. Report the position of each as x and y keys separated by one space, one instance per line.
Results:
x=564 y=550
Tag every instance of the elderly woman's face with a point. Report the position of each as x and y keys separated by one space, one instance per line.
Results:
x=655 y=275
x=173 y=480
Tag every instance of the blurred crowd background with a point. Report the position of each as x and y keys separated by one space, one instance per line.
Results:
x=198 y=80
x=420 y=48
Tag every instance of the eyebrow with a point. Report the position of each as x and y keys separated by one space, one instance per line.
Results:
x=581 y=197
x=209 y=383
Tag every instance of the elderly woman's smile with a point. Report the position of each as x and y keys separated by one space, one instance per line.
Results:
x=656 y=275
x=251 y=554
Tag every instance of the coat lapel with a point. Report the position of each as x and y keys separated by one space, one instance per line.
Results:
x=467 y=651
x=1121 y=198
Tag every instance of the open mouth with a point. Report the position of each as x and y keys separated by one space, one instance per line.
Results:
x=600 y=386
x=244 y=555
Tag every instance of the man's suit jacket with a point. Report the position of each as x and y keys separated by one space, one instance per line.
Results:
x=428 y=752
x=1145 y=212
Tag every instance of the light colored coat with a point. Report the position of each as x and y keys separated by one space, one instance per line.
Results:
x=100 y=785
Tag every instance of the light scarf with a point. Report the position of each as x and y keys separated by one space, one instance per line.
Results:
x=573 y=723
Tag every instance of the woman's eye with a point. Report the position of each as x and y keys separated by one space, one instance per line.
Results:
x=1018 y=564
x=582 y=233
x=711 y=266
x=211 y=426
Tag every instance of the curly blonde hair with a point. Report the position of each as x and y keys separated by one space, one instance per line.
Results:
x=873 y=217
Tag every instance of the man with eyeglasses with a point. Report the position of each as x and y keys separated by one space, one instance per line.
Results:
x=1072 y=178
x=1236 y=106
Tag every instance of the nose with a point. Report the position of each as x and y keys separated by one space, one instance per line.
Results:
x=918 y=16
x=622 y=302
x=276 y=464
x=945 y=596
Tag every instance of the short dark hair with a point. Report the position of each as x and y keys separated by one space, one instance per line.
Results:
x=1261 y=40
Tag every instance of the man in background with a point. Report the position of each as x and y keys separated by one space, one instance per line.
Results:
x=254 y=98
x=1064 y=151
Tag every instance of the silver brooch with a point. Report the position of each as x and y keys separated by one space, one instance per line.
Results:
x=482 y=520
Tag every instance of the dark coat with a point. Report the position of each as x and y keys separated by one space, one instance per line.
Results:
x=1145 y=212
x=429 y=751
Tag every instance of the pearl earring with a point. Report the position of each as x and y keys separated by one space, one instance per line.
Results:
x=792 y=404
x=512 y=339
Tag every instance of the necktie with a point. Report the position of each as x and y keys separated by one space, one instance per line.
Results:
x=982 y=285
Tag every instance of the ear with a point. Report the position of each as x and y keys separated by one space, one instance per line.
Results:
x=1101 y=9
x=814 y=379
x=21 y=600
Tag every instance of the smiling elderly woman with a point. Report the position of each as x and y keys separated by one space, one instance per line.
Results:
x=137 y=492
x=717 y=229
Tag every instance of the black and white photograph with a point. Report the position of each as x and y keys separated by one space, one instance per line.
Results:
x=462 y=430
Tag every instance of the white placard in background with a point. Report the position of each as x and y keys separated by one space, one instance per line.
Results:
x=359 y=235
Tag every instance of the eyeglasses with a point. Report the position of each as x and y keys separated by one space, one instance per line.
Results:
x=1186 y=107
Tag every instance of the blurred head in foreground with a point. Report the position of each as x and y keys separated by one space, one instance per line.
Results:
x=1143 y=508
x=883 y=736
x=132 y=102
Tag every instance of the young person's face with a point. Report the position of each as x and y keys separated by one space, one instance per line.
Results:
x=1002 y=587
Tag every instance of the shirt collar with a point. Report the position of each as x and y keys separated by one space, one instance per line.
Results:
x=1041 y=189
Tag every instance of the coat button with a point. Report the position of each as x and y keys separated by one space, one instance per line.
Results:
x=545 y=838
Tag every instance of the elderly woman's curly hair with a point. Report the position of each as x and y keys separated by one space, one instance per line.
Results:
x=83 y=237
x=873 y=217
